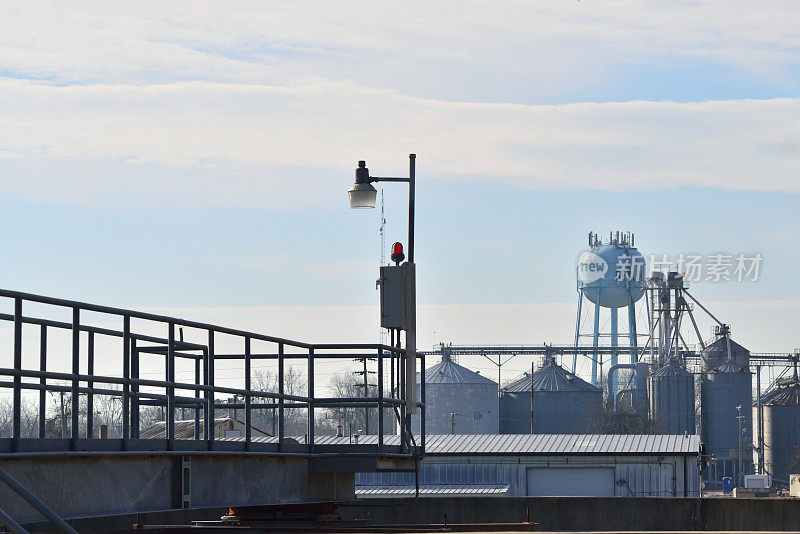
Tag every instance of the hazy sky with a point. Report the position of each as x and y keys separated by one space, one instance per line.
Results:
x=194 y=156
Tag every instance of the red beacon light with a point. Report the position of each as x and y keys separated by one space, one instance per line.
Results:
x=397 y=253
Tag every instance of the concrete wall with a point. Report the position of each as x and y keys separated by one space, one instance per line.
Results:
x=93 y=485
x=589 y=513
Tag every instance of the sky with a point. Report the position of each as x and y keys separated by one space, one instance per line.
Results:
x=194 y=158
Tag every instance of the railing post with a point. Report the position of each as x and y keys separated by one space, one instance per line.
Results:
x=280 y=399
x=17 y=408
x=311 y=400
x=126 y=359
x=380 y=399
x=401 y=378
x=170 y=423
x=42 y=380
x=209 y=430
x=76 y=360
x=197 y=382
x=133 y=401
x=90 y=385
x=247 y=399
x=422 y=410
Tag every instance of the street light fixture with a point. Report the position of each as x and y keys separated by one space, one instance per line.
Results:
x=362 y=195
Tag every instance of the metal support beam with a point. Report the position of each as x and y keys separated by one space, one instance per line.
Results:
x=76 y=359
x=42 y=380
x=248 y=421
x=310 y=395
x=90 y=385
x=35 y=502
x=17 y=401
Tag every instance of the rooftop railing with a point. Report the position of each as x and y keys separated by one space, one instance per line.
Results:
x=202 y=345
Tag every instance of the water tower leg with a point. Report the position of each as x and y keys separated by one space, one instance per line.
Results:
x=577 y=331
x=632 y=334
x=595 y=342
x=614 y=342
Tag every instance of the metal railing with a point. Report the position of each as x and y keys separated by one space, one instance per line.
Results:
x=199 y=396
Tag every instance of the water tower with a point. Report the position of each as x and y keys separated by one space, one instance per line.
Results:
x=610 y=276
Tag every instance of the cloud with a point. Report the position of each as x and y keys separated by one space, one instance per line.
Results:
x=549 y=45
x=238 y=144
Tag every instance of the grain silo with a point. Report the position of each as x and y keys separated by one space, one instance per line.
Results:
x=716 y=353
x=723 y=389
x=781 y=409
x=671 y=393
x=550 y=401
x=457 y=400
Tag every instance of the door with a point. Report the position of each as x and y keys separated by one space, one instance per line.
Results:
x=571 y=481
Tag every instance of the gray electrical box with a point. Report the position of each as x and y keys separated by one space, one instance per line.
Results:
x=393 y=309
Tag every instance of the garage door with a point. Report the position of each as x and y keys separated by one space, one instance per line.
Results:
x=571 y=482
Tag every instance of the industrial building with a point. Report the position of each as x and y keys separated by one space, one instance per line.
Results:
x=549 y=401
x=585 y=465
x=457 y=400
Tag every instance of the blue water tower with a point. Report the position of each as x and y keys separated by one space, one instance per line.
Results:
x=609 y=275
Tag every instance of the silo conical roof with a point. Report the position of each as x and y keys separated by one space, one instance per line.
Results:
x=550 y=377
x=671 y=369
x=721 y=345
x=788 y=395
x=449 y=372
x=728 y=367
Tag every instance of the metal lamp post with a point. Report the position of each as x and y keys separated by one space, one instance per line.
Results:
x=362 y=195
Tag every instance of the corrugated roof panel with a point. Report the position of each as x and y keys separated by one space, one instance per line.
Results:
x=549 y=377
x=540 y=444
x=432 y=489
x=449 y=372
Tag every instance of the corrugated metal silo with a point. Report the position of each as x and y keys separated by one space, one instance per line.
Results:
x=723 y=389
x=716 y=354
x=671 y=392
x=451 y=388
x=561 y=403
x=782 y=430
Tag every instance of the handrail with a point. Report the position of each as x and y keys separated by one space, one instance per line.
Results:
x=10 y=523
x=199 y=396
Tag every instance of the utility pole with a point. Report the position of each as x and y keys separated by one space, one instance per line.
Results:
x=366 y=385
x=759 y=414
x=740 y=478
x=453 y=422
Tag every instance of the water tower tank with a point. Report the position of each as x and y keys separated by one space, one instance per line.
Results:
x=611 y=275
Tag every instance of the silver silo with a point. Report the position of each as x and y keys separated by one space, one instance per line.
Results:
x=551 y=401
x=721 y=391
x=671 y=392
x=781 y=408
x=716 y=353
x=457 y=400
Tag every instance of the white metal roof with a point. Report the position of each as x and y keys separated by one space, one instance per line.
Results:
x=389 y=490
x=542 y=444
